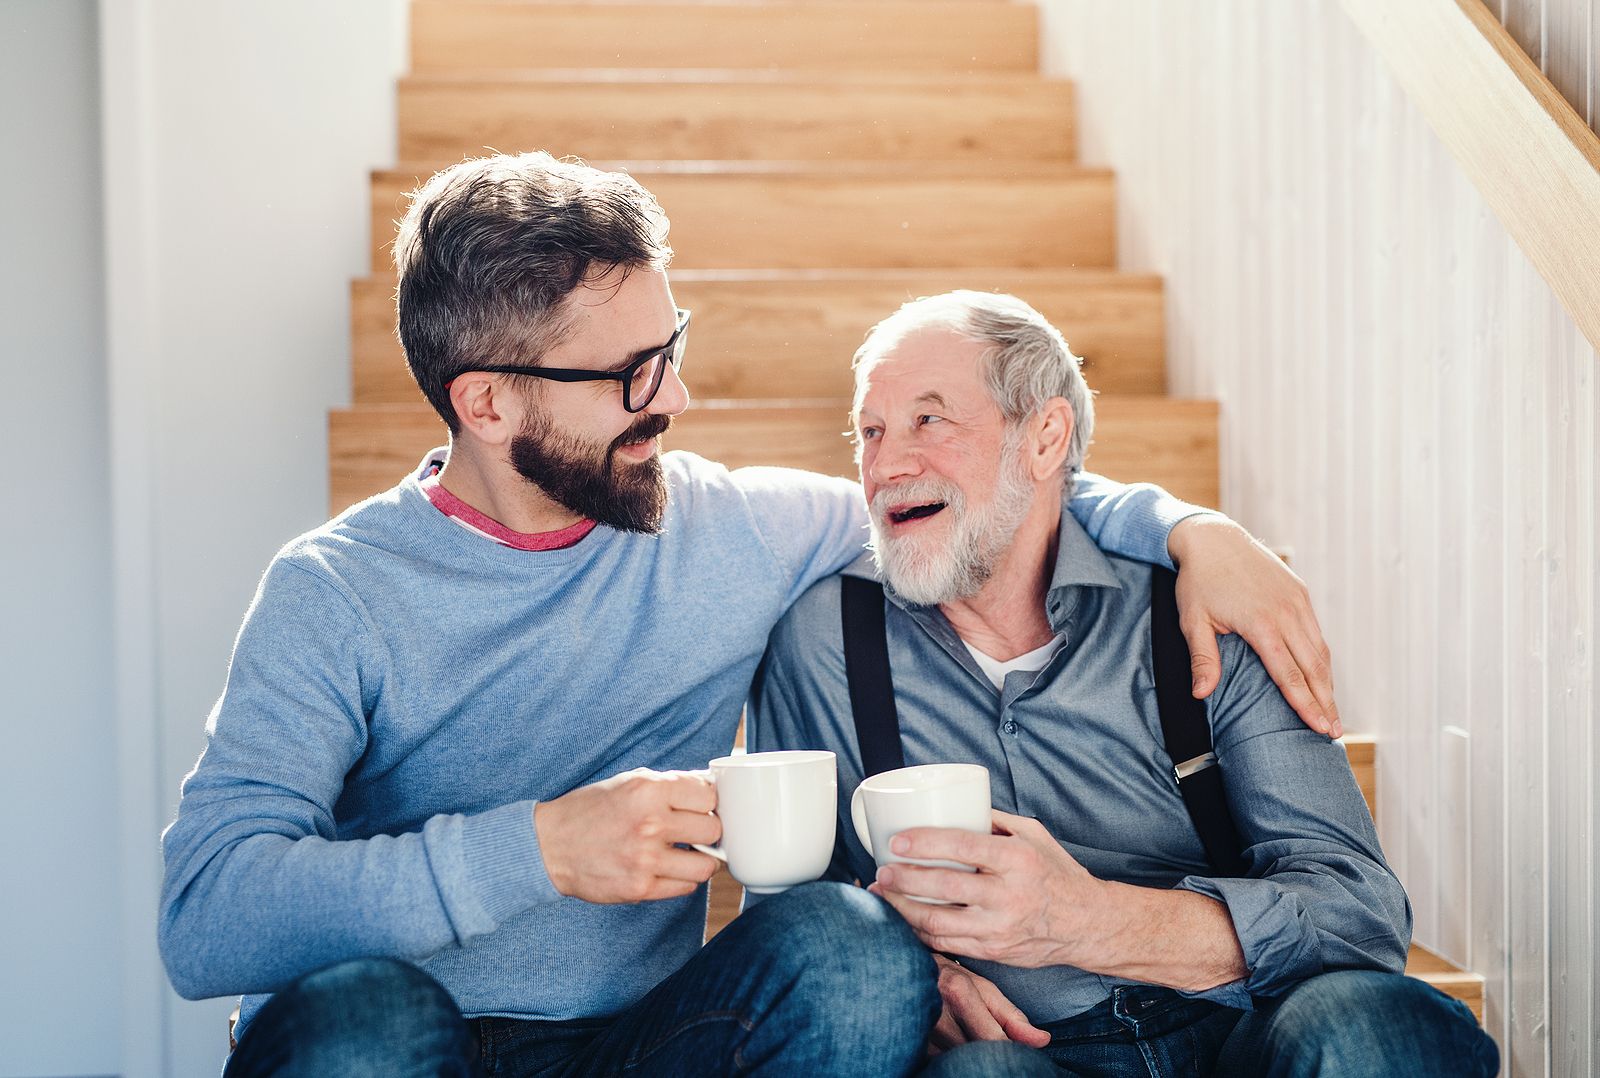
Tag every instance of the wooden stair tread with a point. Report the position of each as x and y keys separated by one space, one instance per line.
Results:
x=649 y=169
x=792 y=333
x=828 y=216
x=726 y=77
x=1160 y=439
x=967 y=34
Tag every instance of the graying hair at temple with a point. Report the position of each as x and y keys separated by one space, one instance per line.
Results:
x=1026 y=364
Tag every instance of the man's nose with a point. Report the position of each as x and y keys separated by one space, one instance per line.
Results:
x=889 y=459
x=672 y=397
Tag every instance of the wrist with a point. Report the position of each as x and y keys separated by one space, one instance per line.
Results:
x=544 y=828
x=1194 y=531
x=1103 y=924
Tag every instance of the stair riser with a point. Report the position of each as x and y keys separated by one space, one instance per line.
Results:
x=972 y=36
x=794 y=338
x=1032 y=120
x=802 y=221
x=1171 y=442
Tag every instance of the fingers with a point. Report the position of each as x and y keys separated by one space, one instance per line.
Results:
x=948 y=884
x=1311 y=654
x=986 y=852
x=1205 y=661
x=1284 y=669
x=968 y=1008
x=691 y=791
x=1009 y=1016
x=942 y=928
x=685 y=866
x=947 y=1032
x=699 y=828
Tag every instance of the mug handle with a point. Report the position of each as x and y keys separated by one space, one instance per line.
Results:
x=713 y=851
x=858 y=816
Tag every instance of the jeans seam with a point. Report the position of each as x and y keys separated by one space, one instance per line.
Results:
x=683 y=1027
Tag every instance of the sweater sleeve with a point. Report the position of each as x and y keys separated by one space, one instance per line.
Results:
x=1131 y=520
x=259 y=887
x=813 y=525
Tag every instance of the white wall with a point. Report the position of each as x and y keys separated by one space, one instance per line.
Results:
x=59 y=965
x=238 y=141
x=1405 y=405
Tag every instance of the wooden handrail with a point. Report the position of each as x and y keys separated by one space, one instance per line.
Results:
x=1526 y=149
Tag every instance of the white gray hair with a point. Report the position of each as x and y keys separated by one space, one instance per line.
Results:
x=1027 y=361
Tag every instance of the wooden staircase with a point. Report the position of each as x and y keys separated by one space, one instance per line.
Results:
x=821 y=161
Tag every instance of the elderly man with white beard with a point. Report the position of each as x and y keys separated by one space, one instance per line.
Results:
x=1137 y=909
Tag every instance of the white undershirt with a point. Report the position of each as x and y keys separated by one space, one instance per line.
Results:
x=996 y=671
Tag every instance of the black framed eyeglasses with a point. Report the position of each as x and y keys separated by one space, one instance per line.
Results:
x=640 y=379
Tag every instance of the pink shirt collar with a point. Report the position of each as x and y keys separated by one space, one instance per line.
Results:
x=469 y=518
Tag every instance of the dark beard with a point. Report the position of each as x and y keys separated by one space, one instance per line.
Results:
x=565 y=468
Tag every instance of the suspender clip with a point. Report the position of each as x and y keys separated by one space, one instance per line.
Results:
x=1193 y=765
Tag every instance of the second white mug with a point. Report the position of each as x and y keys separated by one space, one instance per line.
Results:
x=927 y=795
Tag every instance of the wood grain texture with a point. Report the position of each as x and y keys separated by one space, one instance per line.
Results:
x=1532 y=156
x=737 y=216
x=949 y=36
x=1157 y=439
x=791 y=334
x=778 y=117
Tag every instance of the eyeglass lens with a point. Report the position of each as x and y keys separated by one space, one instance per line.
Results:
x=647 y=378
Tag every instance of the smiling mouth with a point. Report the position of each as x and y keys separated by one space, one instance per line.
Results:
x=915 y=512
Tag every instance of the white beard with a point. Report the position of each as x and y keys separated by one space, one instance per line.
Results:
x=928 y=572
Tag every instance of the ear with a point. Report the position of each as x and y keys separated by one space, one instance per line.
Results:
x=1051 y=431
x=486 y=408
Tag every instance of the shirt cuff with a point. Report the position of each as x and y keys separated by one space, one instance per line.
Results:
x=1233 y=994
x=491 y=868
x=1274 y=928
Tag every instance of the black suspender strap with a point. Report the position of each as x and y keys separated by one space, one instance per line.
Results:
x=1187 y=731
x=866 y=666
x=1184 y=725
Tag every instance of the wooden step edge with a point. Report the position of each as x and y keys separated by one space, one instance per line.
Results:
x=1082 y=276
x=897 y=171
x=1427 y=966
x=932 y=81
x=1361 y=748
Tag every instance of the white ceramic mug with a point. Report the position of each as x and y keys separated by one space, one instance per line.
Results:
x=927 y=795
x=779 y=817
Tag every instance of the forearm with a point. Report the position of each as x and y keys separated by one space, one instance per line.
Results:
x=248 y=912
x=1178 y=939
x=1136 y=520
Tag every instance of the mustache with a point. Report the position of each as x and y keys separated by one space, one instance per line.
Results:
x=642 y=430
x=916 y=491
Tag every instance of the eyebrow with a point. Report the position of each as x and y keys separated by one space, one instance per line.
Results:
x=652 y=350
x=933 y=398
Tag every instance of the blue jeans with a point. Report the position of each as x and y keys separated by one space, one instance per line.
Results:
x=823 y=979
x=1350 y=1024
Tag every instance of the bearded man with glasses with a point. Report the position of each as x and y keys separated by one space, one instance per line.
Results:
x=440 y=822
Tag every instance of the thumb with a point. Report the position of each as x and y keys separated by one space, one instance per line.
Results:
x=1205 y=661
x=1012 y=1021
x=1018 y=1028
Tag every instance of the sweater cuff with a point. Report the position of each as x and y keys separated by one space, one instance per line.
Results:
x=505 y=869
x=1274 y=928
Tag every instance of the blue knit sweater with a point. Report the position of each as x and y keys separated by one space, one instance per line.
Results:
x=403 y=691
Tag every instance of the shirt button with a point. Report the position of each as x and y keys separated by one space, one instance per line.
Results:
x=1010 y=727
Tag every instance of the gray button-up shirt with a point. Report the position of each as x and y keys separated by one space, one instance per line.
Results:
x=1078 y=745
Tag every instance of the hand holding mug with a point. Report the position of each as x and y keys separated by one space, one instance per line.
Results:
x=618 y=840
x=1030 y=903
